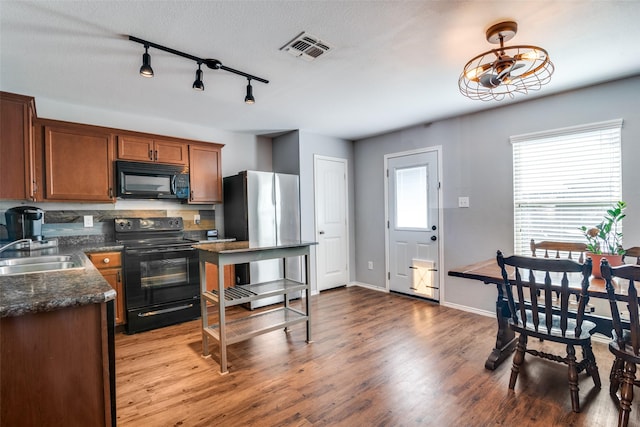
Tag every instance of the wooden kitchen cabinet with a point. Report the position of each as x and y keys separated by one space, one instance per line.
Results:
x=16 y=145
x=205 y=173
x=110 y=266
x=212 y=276
x=77 y=162
x=145 y=149
x=58 y=368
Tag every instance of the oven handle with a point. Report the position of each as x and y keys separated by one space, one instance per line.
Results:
x=159 y=251
x=165 y=310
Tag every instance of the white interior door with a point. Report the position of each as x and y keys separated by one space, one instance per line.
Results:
x=413 y=227
x=332 y=252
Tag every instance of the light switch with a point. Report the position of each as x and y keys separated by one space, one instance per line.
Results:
x=196 y=219
x=88 y=220
x=463 y=202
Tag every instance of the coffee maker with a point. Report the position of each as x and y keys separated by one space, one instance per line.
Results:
x=24 y=222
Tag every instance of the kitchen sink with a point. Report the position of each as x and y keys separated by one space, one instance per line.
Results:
x=38 y=264
x=35 y=260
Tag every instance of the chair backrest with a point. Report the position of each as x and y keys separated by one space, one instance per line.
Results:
x=632 y=252
x=632 y=274
x=548 y=277
x=574 y=249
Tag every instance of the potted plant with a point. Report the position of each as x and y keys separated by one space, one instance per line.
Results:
x=605 y=239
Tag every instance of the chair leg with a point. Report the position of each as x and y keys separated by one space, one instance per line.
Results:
x=626 y=395
x=592 y=367
x=617 y=370
x=518 y=358
x=573 y=378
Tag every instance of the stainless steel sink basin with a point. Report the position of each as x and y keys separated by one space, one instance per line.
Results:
x=35 y=260
x=38 y=264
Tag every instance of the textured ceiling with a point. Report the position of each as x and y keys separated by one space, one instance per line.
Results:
x=393 y=63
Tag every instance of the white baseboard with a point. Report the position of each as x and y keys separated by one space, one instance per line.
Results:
x=367 y=286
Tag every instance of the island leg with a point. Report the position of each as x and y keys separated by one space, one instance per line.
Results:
x=203 y=309
x=222 y=321
x=505 y=338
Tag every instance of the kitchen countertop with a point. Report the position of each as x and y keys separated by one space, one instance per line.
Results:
x=40 y=292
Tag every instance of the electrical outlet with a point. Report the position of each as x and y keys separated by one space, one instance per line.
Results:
x=370 y=265
x=88 y=220
x=196 y=219
x=463 y=202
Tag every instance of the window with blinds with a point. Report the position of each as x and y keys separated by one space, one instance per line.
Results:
x=563 y=179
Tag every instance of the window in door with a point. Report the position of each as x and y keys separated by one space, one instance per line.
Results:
x=563 y=179
x=412 y=198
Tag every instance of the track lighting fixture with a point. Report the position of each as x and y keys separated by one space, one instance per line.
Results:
x=146 y=70
x=212 y=64
x=198 y=85
x=249 y=99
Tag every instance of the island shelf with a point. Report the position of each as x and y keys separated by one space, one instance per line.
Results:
x=237 y=330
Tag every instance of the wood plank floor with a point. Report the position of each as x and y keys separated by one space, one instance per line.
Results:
x=377 y=360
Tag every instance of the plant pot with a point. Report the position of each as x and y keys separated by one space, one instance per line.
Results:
x=614 y=261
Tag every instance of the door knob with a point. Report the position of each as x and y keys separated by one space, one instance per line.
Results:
x=434 y=228
x=321 y=232
x=434 y=238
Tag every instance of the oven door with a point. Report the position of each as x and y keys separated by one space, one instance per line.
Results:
x=155 y=276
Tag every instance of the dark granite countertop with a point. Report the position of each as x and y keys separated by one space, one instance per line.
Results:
x=40 y=292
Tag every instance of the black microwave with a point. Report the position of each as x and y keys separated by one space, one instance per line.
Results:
x=136 y=180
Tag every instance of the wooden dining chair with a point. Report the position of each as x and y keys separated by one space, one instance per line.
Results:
x=539 y=318
x=571 y=248
x=633 y=252
x=625 y=345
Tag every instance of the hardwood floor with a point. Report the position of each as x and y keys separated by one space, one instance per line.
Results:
x=377 y=360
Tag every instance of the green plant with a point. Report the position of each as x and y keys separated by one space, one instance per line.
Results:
x=605 y=238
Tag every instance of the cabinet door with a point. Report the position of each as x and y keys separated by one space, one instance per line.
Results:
x=114 y=277
x=78 y=163
x=16 y=145
x=171 y=152
x=205 y=177
x=135 y=148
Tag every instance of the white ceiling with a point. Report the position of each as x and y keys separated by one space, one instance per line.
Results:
x=393 y=63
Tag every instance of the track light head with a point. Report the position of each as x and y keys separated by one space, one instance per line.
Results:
x=249 y=99
x=146 y=70
x=197 y=84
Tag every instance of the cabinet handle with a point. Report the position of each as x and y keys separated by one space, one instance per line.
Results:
x=118 y=279
x=150 y=154
x=110 y=192
x=191 y=194
x=156 y=155
x=106 y=260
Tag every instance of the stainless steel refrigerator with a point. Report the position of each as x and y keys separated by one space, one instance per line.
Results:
x=264 y=208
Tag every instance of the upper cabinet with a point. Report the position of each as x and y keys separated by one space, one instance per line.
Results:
x=45 y=160
x=78 y=162
x=142 y=149
x=205 y=173
x=16 y=145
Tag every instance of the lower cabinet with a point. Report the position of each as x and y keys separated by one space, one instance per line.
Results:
x=110 y=266
x=58 y=368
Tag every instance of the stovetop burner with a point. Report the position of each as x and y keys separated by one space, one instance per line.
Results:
x=151 y=232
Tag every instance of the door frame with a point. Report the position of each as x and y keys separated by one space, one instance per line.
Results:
x=438 y=150
x=317 y=157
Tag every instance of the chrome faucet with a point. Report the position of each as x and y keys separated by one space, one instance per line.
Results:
x=16 y=242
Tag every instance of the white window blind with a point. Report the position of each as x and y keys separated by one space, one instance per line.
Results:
x=563 y=179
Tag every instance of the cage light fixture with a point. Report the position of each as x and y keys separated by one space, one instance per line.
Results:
x=506 y=70
x=213 y=64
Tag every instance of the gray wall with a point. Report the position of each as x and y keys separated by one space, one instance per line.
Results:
x=477 y=162
x=307 y=145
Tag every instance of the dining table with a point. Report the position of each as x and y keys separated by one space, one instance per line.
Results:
x=489 y=273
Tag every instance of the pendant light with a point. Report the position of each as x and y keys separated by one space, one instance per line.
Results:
x=146 y=70
x=249 y=99
x=197 y=84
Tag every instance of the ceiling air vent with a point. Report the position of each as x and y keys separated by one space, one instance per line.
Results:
x=306 y=46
